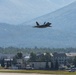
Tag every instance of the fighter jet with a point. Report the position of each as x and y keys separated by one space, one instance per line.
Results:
x=43 y=26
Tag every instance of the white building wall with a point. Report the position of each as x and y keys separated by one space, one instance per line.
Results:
x=40 y=65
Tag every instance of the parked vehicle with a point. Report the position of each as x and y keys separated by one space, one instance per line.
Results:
x=72 y=70
x=28 y=67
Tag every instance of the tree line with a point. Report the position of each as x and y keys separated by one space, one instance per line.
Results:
x=44 y=57
x=14 y=50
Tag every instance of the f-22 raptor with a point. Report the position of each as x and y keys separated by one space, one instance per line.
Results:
x=43 y=26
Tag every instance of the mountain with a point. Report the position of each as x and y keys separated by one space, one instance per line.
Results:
x=62 y=33
x=18 y=11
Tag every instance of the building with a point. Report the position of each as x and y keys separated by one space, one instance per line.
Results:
x=8 y=62
x=70 y=57
x=61 y=58
x=40 y=65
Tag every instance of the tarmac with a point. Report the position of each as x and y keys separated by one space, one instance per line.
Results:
x=23 y=74
x=26 y=74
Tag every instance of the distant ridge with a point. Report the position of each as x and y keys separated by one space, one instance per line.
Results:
x=61 y=35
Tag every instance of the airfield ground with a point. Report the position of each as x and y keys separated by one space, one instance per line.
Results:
x=35 y=72
x=20 y=74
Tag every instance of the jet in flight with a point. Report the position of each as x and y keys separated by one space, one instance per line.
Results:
x=43 y=26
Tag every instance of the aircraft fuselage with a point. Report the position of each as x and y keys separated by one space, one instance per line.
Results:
x=43 y=26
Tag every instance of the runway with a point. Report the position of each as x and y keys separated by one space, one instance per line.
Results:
x=23 y=74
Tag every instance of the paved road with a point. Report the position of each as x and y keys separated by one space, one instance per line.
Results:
x=22 y=74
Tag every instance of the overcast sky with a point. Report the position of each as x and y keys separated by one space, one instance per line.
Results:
x=18 y=11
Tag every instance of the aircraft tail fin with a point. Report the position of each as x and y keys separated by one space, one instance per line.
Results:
x=37 y=23
x=44 y=23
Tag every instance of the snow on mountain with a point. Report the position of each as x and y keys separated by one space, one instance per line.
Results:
x=61 y=34
x=18 y=11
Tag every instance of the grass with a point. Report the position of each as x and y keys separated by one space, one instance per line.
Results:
x=38 y=71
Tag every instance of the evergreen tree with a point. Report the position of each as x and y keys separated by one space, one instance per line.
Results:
x=2 y=63
x=47 y=57
x=32 y=57
x=74 y=61
x=19 y=55
x=14 y=61
x=52 y=66
x=47 y=65
x=56 y=65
